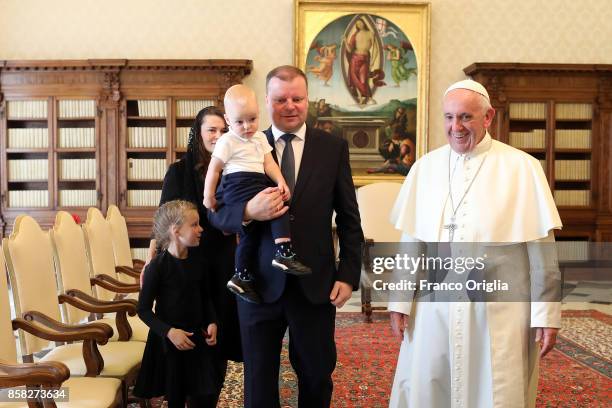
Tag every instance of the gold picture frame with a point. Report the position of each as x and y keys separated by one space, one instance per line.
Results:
x=367 y=65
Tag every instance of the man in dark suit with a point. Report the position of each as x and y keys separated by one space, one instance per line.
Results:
x=318 y=164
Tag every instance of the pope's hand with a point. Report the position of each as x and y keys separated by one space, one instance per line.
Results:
x=547 y=337
x=399 y=322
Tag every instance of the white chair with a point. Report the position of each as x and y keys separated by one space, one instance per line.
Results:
x=29 y=257
x=73 y=275
x=84 y=392
x=375 y=203
x=121 y=244
x=13 y=374
x=98 y=238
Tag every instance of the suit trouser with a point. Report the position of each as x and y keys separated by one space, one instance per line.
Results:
x=240 y=187
x=312 y=349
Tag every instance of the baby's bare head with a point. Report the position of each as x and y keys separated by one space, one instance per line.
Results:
x=241 y=110
x=239 y=97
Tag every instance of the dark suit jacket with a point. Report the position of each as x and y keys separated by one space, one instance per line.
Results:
x=324 y=184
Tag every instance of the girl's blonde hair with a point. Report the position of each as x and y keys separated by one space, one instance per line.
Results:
x=169 y=214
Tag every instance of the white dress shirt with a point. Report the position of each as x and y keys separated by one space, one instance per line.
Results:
x=297 y=143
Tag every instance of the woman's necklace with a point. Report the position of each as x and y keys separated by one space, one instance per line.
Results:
x=452 y=225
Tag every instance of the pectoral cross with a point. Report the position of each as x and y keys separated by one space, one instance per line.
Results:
x=451 y=227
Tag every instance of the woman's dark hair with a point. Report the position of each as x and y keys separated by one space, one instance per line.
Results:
x=201 y=156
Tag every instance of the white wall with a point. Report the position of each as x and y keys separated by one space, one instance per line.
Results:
x=462 y=32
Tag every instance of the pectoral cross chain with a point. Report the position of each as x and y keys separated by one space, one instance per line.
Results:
x=451 y=227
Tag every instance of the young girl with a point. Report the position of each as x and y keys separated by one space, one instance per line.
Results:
x=178 y=360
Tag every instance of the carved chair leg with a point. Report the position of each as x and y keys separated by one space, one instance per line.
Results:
x=366 y=303
x=124 y=392
x=368 y=313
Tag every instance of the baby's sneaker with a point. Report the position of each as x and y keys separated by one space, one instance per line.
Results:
x=243 y=288
x=289 y=263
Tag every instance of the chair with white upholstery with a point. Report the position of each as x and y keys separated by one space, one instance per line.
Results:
x=121 y=244
x=375 y=202
x=72 y=266
x=29 y=257
x=99 y=241
x=12 y=374
x=83 y=392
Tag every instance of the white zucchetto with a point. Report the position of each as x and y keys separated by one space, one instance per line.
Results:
x=470 y=85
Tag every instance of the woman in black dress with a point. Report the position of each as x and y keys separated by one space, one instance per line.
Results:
x=185 y=180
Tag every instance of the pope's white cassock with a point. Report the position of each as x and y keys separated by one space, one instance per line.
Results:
x=477 y=354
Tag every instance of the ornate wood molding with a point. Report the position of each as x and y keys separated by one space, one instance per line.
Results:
x=232 y=78
x=240 y=66
x=111 y=94
x=50 y=72
x=495 y=89
x=63 y=65
x=531 y=67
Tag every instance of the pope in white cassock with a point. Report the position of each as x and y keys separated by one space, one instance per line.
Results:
x=475 y=189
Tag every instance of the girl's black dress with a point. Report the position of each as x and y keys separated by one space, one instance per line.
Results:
x=180 y=289
x=182 y=182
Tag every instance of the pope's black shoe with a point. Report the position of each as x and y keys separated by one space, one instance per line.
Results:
x=244 y=288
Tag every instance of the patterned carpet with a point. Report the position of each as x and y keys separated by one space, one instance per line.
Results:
x=578 y=373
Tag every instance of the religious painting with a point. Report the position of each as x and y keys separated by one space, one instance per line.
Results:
x=367 y=66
